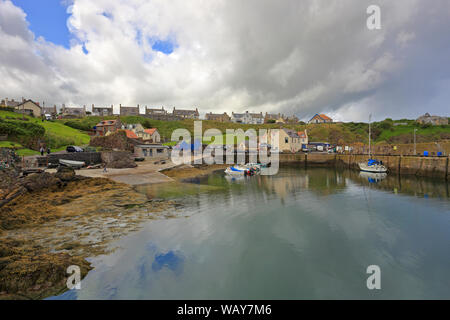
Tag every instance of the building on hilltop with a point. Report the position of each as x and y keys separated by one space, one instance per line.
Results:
x=186 y=114
x=320 y=118
x=218 y=117
x=129 y=111
x=433 y=120
x=73 y=112
x=247 y=118
x=29 y=107
x=103 y=111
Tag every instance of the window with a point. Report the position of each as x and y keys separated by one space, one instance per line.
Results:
x=160 y=150
x=145 y=152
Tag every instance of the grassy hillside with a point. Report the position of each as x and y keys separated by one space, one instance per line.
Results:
x=27 y=132
x=387 y=131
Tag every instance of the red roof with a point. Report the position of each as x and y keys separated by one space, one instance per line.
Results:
x=301 y=134
x=324 y=117
x=131 y=134
x=106 y=123
x=150 y=131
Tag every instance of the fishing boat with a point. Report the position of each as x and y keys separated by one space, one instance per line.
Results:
x=240 y=171
x=72 y=164
x=372 y=165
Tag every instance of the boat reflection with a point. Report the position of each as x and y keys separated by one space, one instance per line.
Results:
x=373 y=177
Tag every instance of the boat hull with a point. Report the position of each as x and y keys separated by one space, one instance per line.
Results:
x=376 y=168
x=72 y=164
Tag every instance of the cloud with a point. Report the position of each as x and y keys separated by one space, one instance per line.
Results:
x=295 y=57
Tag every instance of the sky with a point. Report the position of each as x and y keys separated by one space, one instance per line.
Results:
x=297 y=57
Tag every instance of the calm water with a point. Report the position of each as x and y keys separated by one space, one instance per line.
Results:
x=297 y=235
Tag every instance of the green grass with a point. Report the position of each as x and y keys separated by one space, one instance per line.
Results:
x=10 y=144
x=26 y=152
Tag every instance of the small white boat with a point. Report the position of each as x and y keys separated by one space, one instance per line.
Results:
x=71 y=163
x=373 y=166
x=236 y=171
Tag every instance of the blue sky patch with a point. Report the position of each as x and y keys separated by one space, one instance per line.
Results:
x=47 y=19
x=164 y=46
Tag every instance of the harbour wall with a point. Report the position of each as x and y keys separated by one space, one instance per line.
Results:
x=434 y=167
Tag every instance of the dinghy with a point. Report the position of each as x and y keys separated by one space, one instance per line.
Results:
x=72 y=164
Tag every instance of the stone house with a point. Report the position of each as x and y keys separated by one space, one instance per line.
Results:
x=320 y=118
x=247 y=118
x=129 y=111
x=73 y=112
x=29 y=107
x=303 y=135
x=106 y=127
x=102 y=111
x=148 y=135
x=155 y=111
x=52 y=111
x=288 y=141
x=218 y=117
x=186 y=114
x=433 y=120
x=10 y=103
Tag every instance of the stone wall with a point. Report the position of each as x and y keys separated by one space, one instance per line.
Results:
x=87 y=157
x=435 y=167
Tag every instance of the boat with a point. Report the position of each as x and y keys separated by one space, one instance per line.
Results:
x=372 y=165
x=72 y=164
x=239 y=171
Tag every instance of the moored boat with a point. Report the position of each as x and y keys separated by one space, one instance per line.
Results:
x=71 y=163
x=373 y=165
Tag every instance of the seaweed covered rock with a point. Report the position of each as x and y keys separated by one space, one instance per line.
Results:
x=31 y=273
x=65 y=173
x=39 y=181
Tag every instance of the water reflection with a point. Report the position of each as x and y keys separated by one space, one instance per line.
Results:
x=302 y=234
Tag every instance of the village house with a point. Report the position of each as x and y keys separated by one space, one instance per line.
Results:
x=271 y=118
x=303 y=135
x=186 y=114
x=433 y=120
x=129 y=111
x=73 y=112
x=102 y=111
x=247 y=118
x=148 y=135
x=320 y=118
x=160 y=114
x=155 y=111
x=288 y=140
x=10 y=103
x=51 y=111
x=107 y=127
x=29 y=107
x=218 y=117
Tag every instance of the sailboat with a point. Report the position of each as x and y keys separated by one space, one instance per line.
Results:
x=372 y=165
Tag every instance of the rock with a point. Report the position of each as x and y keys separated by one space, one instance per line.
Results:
x=65 y=173
x=39 y=181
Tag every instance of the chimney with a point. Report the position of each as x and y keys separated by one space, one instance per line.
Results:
x=23 y=99
x=92 y=107
x=120 y=105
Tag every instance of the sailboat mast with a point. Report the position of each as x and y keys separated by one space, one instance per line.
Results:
x=370 y=116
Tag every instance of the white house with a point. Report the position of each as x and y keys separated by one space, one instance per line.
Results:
x=247 y=118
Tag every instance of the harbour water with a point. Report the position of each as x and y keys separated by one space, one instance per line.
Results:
x=302 y=234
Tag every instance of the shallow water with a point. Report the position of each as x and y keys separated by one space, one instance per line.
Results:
x=302 y=234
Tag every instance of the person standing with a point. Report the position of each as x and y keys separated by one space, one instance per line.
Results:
x=42 y=151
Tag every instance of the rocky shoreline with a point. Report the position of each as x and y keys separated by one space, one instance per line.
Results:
x=51 y=221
